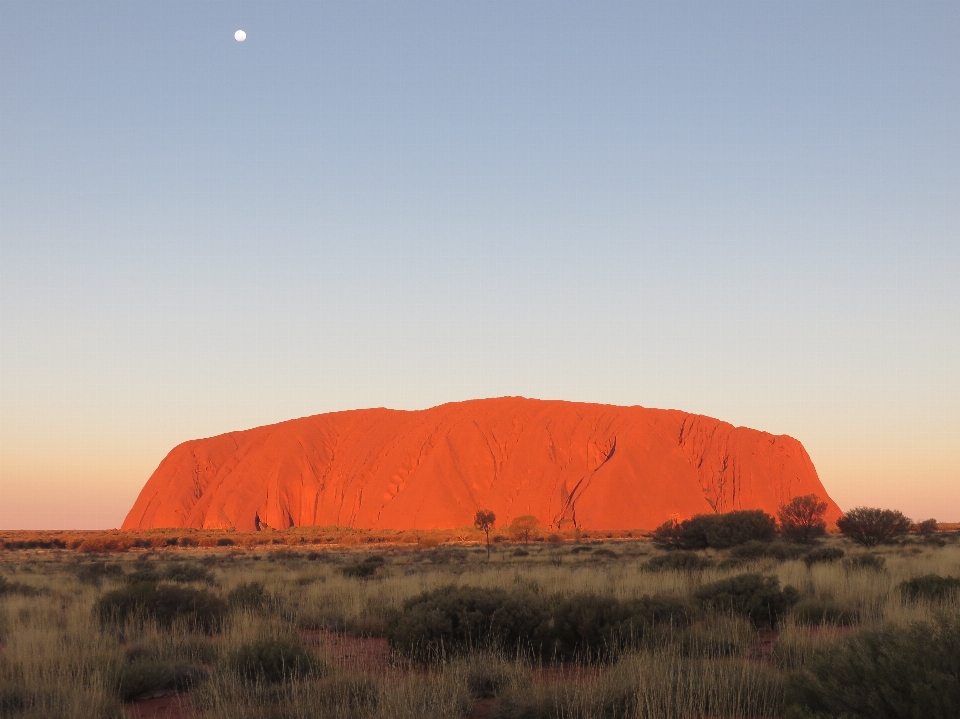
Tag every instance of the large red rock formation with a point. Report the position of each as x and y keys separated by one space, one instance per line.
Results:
x=587 y=465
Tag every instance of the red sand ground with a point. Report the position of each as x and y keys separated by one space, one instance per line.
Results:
x=569 y=464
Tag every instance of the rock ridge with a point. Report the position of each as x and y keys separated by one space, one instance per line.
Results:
x=570 y=464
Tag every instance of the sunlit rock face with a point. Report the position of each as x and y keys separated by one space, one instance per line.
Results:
x=570 y=464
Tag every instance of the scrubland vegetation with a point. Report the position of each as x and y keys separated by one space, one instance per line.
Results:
x=721 y=622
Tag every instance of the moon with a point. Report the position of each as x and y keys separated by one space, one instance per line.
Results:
x=239 y=36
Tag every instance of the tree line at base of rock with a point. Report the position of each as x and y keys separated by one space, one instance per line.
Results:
x=800 y=520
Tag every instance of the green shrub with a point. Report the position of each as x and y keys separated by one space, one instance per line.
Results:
x=802 y=519
x=754 y=596
x=24 y=590
x=892 y=673
x=163 y=604
x=717 y=531
x=272 y=661
x=457 y=619
x=143 y=675
x=680 y=561
x=590 y=626
x=931 y=587
x=755 y=549
x=823 y=555
x=248 y=595
x=820 y=612
x=367 y=568
x=871 y=562
x=184 y=573
x=93 y=573
x=607 y=553
x=869 y=526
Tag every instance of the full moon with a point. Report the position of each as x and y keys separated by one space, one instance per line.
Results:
x=240 y=35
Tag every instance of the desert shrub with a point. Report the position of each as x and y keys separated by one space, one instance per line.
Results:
x=93 y=573
x=755 y=549
x=590 y=626
x=927 y=527
x=365 y=569
x=871 y=562
x=24 y=590
x=891 y=673
x=802 y=518
x=164 y=604
x=680 y=561
x=717 y=531
x=145 y=573
x=581 y=548
x=272 y=661
x=102 y=544
x=225 y=542
x=823 y=555
x=754 y=596
x=607 y=553
x=931 y=587
x=248 y=595
x=456 y=619
x=818 y=612
x=869 y=526
x=148 y=675
x=185 y=572
x=486 y=679
x=524 y=528
x=554 y=539
x=520 y=553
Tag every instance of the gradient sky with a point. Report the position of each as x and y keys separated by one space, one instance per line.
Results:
x=745 y=210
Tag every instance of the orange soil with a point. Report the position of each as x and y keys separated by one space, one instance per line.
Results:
x=569 y=464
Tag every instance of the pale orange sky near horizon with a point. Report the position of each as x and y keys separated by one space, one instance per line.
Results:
x=745 y=210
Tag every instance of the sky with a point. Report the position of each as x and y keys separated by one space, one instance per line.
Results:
x=749 y=210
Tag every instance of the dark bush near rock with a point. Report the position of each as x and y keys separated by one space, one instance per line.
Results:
x=145 y=675
x=24 y=590
x=824 y=612
x=871 y=562
x=164 y=604
x=931 y=587
x=273 y=661
x=754 y=596
x=93 y=573
x=680 y=561
x=458 y=619
x=823 y=555
x=365 y=569
x=248 y=595
x=755 y=549
x=893 y=673
x=717 y=531
x=593 y=627
x=870 y=526
x=185 y=572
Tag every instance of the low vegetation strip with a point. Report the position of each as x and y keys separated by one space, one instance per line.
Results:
x=770 y=629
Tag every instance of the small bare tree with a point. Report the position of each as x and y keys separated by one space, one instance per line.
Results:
x=484 y=520
x=524 y=527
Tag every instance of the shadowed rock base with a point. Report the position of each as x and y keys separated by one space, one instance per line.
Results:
x=569 y=464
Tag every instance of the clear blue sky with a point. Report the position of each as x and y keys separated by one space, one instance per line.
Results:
x=746 y=210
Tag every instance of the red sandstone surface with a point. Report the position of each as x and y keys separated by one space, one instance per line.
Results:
x=569 y=464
